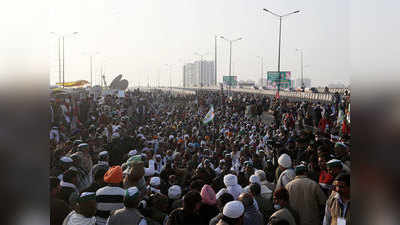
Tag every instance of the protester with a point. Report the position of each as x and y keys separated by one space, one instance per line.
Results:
x=85 y=211
x=284 y=210
x=208 y=208
x=111 y=196
x=157 y=209
x=58 y=208
x=221 y=202
x=163 y=144
x=251 y=214
x=232 y=214
x=129 y=214
x=69 y=192
x=306 y=197
x=265 y=205
x=232 y=187
x=337 y=209
x=287 y=174
x=189 y=213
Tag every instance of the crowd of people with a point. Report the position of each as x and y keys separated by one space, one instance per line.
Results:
x=151 y=157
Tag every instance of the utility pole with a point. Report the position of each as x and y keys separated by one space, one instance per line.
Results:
x=63 y=72
x=91 y=71
x=279 y=49
x=59 y=59
x=215 y=60
x=262 y=70
x=230 y=59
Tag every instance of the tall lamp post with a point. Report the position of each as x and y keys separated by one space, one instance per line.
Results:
x=215 y=60
x=302 y=66
x=62 y=36
x=279 y=51
x=91 y=68
x=230 y=57
x=262 y=70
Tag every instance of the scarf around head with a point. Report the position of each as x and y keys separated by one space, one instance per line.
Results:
x=208 y=195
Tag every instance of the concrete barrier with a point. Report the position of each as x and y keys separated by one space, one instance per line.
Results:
x=320 y=97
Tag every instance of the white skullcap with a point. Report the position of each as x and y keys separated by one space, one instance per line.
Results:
x=115 y=135
x=254 y=179
x=66 y=159
x=155 y=181
x=285 y=161
x=132 y=152
x=158 y=156
x=175 y=155
x=171 y=137
x=233 y=209
x=103 y=153
x=132 y=192
x=260 y=174
x=230 y=180
x=174 y=192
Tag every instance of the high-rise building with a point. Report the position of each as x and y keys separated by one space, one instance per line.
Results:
x=198 y=73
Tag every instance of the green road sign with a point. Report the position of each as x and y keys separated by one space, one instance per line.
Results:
x=230 y=80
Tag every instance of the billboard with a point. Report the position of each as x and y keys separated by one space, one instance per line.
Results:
x=285 y=79
x=230 y=80
x=274 y=76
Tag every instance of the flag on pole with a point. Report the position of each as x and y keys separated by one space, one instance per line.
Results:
x=209 y=116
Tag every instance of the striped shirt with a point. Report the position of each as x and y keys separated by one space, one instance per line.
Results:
x=108 y=199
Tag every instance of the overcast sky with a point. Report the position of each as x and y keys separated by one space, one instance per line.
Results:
x=137 y=38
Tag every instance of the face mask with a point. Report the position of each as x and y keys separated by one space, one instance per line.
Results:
x=277 y=206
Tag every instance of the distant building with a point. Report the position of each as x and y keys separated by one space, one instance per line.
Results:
x=307 y=83
x=199 y=73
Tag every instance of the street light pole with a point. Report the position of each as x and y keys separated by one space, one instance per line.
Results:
x=59 y=59
x=279 y=54
x=63 y=72
x=230 y=58
x=302 y=70
x=302 y=67
x=279 y=49
x=262 y=70
x=215 y=60
x=91 y=71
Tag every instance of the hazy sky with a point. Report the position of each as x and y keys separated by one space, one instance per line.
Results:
x=137 y=38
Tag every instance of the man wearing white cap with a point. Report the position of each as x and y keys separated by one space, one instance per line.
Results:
x=155 y=185
x=232 y=213
x=288 y=174
x=101 y=163
x=129 y=214
x=265 y=191
x=158 y=165
x=261 y=174
x=85 y=211
x=232 y=186
x=86 y=158
x=174 y=194
x=132 y=153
